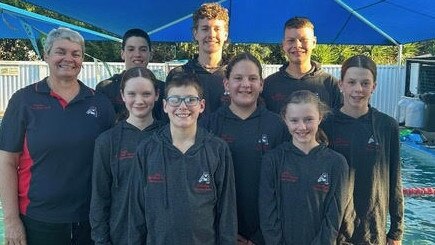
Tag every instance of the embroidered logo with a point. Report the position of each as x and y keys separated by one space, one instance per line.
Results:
x=339 y=141
x=323 y=179
x=227 y=138
x=371 y=140
x=322 y=183
x=287 y=176
x=156 y=178
x=263 y=143
x=278 y=97
x=205 y=178
x=372 y=144
x=40 y=107
x=264 y=139
x=125 y=154
x=92 y=111
x=203 y=184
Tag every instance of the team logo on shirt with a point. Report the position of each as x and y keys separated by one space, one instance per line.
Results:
x=323 y=179
x=156 y=178
x=125 y=154
x=203 y=184
x=227 y=138
x=287 y=176
x=205 y=178
x=322 y=183
x=263 y=143
x=278 y=97
x=40 y=107
x=372 y=144
x=92 y=110
x=339 y=141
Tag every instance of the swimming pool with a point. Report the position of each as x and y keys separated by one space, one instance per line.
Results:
x=418 y=171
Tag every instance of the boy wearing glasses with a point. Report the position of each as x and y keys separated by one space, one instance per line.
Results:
x=182 y=182
x=300 y=72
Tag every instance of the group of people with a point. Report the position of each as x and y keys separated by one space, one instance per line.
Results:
x=214 y=155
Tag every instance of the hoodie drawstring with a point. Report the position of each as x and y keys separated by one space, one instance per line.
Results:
x=116 y=140
x=165 y=177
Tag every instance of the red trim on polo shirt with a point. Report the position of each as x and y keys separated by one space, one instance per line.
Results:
x=24 y=176
x=61 y=100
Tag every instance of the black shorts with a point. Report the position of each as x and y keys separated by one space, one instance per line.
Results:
x=43 y=233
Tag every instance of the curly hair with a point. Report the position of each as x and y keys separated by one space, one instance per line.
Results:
x=211 y=11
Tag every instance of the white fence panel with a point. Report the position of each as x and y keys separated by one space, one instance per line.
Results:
x=18 y=74
x=390 y=87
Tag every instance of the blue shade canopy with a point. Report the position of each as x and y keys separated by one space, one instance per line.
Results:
x=18 y=23
x=384 y=22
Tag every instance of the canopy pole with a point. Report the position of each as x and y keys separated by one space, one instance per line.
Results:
x=399 y=55
x=363 y=19
x=399 y=72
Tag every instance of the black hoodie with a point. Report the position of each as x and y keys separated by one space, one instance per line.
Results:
x=249 y=140
x=112 y=89
x=279 y=86
x=183 y=199
x=113 y=157
x=212 y=84
x=370 y=144
x=302 y=196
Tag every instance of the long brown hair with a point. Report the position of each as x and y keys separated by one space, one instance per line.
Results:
x=139 y=72
x=360 y=61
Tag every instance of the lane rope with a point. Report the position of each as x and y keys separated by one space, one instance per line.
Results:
x=419 y=191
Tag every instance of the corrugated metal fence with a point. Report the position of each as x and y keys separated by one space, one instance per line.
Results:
x=17 y=74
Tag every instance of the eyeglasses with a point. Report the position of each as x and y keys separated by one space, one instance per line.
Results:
x=176 y=100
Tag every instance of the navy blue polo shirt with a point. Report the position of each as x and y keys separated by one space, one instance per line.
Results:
x=56 y=142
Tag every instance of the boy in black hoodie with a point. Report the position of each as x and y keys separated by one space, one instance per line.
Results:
x=182 y=182
x=136 y=52
x=300 y=72
x=210 y=30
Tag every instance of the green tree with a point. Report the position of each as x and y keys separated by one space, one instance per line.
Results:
x=326 y=54
x=103 y=50
x=261 y=52
x=17 y=49
x=427 y=47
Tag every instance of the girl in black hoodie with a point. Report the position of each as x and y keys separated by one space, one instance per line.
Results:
x=303 y=184
x=369 y=140
x=250 y=131
x=114 y=153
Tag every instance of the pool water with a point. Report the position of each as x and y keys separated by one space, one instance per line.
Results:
x=418 y=171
